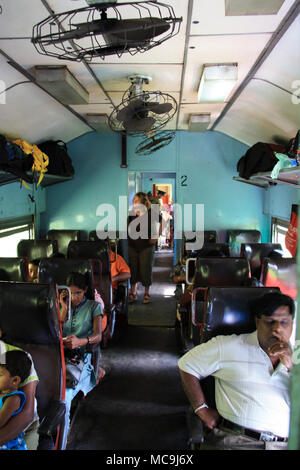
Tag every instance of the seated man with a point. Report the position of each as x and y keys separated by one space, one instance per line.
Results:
x=252 y=379
x=27 y=419
x=120 y=271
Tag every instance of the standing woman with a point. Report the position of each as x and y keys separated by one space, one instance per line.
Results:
x=144 y=228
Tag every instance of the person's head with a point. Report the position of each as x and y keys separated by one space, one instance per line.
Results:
x=141 y=199
x=14 y=369
x=274 y=314
x=33 y=267
x=78 y=286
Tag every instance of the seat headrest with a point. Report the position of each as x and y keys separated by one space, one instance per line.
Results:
x=236 y=237
x=228 y=311
x=282 y=273
x=91 y=250
x=64 y=237
x=256 y=252
x=28 y=313
x=13 y=269
x=221 y=272
x=35 y=249
x=212 y=249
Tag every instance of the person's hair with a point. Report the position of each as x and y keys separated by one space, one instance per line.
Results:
x=268 y=303
x=143 y=199
x=17 y=363
x=35 y=261
x=77 y=279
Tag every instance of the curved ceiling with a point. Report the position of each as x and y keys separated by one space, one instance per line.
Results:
x=263 y=105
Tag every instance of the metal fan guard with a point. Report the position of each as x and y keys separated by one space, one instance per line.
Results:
x=161 y=120
x=152 y=144
x=73 y=35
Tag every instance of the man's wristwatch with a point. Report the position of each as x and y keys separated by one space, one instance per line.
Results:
x=200 y=407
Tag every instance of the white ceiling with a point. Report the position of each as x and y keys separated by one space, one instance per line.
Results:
x=259 y=107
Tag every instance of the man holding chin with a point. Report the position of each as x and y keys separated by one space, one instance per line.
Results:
x=252 y=379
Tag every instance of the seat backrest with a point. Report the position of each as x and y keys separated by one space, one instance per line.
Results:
x=121 y=243
x=236 y=237
x=64 y=237
x=14 y=269
x=282 y=273
x=212 y=249
x=209 y=236
x=57 y=269
x=96 y=250
x=255 y=253
x=221 y=272
x=29 y=320
x=34 y=249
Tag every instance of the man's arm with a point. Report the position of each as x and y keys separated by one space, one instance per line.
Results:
x=193 y=390
x=18 y=423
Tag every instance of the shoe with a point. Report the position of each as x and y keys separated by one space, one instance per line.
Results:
x=146 y=299
x=132 y=297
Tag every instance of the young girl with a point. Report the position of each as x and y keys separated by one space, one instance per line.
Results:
x=15 y=366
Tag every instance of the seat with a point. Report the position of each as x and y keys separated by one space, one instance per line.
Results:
x=14 y=269
x=64 y=237
x=56 y=270
x=236 y=237
x=256 y=252
x=208 y=250
x=35 y=249
x=226 y=312
x=209 y=236
x=29 y=319
x=98 y=250
x=282 y=273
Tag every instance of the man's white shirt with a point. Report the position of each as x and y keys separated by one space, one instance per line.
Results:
x=248 y=390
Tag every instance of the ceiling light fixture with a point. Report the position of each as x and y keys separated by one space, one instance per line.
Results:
x=216 y=82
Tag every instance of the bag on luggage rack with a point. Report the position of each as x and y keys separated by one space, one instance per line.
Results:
x=59 y=161
x=258 y=158
x=14 y=160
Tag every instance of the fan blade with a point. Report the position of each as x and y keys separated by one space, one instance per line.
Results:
x=159 y=108
x=139 y=125
x=135 y=30
x=129 y=110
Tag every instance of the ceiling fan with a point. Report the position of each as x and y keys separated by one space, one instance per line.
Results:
x=101 y=29
x=156 y=142
x=141 y=112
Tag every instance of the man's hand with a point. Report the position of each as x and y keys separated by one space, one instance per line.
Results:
x=209 y=416
x=282 y=351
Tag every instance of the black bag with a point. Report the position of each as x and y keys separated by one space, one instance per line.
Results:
x=259 y=157
x=59 y=161
x=74 y=361
x=14 y=160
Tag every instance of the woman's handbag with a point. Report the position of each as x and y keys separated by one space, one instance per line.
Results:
x=74 y=360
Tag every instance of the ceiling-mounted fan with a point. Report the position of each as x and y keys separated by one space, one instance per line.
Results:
x=105 y=28
x=141 y=112
x=156 y=142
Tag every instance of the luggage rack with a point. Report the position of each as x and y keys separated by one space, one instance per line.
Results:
x=290 y=176
x=48 y=179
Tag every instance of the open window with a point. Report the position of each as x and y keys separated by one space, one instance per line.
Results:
x=11 y=233
x=279 y=230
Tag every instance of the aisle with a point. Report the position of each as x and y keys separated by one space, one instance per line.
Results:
x=141 y=404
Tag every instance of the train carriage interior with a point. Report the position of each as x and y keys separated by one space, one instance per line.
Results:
x=195 y=104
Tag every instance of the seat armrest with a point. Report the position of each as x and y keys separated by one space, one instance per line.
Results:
x=195 y=427
x=54 y=417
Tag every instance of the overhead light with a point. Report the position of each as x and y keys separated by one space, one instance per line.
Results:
x=199 y=122
x=255 y=7
x=216 y=82
x=61 y=83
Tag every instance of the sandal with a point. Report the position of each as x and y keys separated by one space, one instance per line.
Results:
x=132 y=297
x=146 y=299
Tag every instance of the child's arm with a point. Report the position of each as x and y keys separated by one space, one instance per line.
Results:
x=10 y=405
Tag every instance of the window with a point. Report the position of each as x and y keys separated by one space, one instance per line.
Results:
x=10 y=237
x=279 y=229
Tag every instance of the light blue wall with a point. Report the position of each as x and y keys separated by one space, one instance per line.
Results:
x=279 y=199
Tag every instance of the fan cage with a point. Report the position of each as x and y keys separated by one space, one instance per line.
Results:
x=152 y=144
x=161 y=120
x=81 y=34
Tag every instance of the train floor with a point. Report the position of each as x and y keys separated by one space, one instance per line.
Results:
x=140 y=403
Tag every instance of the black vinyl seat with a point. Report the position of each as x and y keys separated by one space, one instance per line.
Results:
x=255 y=254
x=35 y=249
x=238 y=236
x=29 y=319
x=282 y=273
x=226 y=312
x=64 y=237
x=14 y=269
